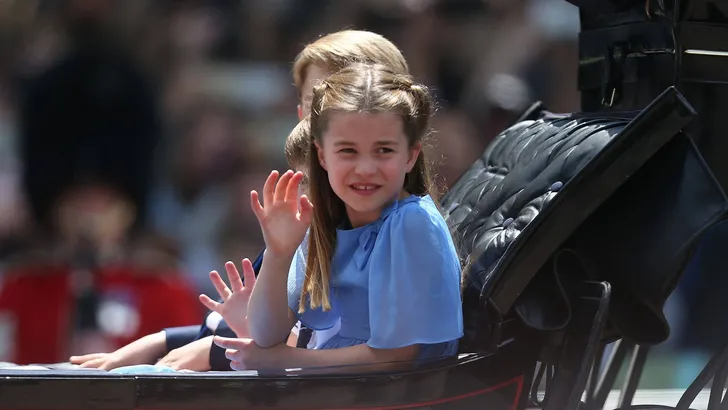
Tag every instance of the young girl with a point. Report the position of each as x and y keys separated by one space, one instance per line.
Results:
x=380 y=257
x=191 y=347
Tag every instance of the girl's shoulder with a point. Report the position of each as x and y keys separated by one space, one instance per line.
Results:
x=415 y=210
x=415 y=216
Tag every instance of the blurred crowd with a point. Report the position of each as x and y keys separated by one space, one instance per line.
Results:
x=152 y=120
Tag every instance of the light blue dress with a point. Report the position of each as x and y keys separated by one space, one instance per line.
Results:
x=394 y=283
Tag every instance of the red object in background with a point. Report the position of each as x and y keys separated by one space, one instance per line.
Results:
x=37 y=304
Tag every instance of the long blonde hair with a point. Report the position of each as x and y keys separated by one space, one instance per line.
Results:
x=358 y=88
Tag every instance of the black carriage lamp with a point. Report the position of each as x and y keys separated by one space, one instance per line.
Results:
x=629 y=52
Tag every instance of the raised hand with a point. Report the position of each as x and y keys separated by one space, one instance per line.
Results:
x=234 y=306
x=281 y=221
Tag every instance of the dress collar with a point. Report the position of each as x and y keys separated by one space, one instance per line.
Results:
x=368 y=233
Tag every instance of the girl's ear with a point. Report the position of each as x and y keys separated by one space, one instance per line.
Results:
x=320 y=155
x=299 y=109
x=414 y=152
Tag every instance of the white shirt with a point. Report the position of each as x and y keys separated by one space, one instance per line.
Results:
x=319 y=337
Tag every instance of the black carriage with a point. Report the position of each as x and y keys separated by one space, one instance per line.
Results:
x=573 y=229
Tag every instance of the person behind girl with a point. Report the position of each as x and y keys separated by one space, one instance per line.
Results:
x=378 y=256
x=191 y=347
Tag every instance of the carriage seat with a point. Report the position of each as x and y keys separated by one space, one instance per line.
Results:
x=514 y=215
x=519 y=174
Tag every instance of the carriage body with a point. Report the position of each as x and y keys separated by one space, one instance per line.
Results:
x=573 y=228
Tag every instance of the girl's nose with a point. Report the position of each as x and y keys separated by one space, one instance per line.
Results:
x=365 y=166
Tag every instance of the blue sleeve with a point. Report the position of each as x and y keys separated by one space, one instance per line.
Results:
x=177 y=337
x=315 y=319
x=414 y=288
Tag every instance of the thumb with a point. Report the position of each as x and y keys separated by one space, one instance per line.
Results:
x=230 y=343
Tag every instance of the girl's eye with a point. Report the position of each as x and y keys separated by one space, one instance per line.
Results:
x=384 y=150
x=347 y=151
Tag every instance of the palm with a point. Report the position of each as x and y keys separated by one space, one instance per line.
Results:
x=234 y=305
x=235 y=310
x=283 y=225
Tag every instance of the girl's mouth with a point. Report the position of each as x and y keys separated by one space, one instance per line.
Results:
x=364 y=189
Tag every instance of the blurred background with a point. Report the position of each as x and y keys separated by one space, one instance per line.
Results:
x=131 y=133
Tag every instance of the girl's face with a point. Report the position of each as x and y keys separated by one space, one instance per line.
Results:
x=367 y=157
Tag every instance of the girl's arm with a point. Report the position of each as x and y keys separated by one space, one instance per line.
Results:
x=284 y=221
x=269 y=318
x=245 y=354
x=378 y=359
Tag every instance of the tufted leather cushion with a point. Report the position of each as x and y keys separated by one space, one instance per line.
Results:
x=518 y=175
x=518 y=179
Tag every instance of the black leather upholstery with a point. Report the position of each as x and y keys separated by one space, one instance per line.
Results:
x=518 y=175
x=525 y=174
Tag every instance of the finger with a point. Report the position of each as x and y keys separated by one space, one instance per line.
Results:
x=306 y=210
x=210 y=304
x=174 y=365
x=229 y=342
x=282 y=186
x=232 y=355
x=236 y=365
x=269 y=188
x=108 y=365
x=93 y=364
x=248 y=274
x=256 y=206
x=85 y=358
x=220 y=286
x=235 y=282
x=292 y=191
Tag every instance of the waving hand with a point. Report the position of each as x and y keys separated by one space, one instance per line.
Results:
x=281 y=221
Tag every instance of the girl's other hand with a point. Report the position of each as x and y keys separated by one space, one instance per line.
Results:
x=234 y=306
